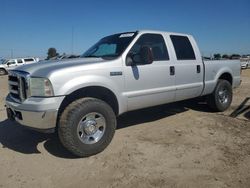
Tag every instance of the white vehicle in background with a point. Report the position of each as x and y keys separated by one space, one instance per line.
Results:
x=10 y=64
x=245 y=64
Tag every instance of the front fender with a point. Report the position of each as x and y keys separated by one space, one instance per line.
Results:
x=85 y=81
x=115 y=85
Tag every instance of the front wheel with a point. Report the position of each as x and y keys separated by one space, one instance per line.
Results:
x=3 y=72
x=86 y=126
x=221 y=97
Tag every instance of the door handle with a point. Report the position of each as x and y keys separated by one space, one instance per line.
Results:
x=172 y=70
x=198 y=68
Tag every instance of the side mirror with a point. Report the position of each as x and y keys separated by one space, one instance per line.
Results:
x=146 y=55
x=129 y=60
x=8 y=64
x=133 y=59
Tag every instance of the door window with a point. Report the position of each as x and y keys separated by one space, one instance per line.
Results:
x=155 y=42
x=183 y=47
x=11 y=62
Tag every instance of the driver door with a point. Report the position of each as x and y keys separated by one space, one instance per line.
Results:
x=150 y=84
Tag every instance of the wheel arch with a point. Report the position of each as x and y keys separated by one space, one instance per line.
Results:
x=98 y=92
x=226 y=76
x=4 y=70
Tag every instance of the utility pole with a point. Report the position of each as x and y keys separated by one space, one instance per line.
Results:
x=72 y=40
x=11 y=53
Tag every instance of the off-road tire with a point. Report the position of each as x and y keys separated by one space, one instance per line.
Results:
x=69 y=119
x=214 y=100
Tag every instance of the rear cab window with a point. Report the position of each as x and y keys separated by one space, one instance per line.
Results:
x=183 y=47
x=29 y=60
x=19 y=61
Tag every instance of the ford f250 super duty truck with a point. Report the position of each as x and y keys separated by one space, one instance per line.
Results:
x=80 y=98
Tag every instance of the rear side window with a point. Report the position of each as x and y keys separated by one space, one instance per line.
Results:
x=155 y=42
x=183 y=47
x=19 y=61
x=29 y=60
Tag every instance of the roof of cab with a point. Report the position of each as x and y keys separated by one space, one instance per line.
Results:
x=162 y=32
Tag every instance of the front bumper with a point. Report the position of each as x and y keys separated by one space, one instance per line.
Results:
x=36 y=113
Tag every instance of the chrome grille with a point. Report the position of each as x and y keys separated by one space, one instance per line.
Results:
x=18 y=86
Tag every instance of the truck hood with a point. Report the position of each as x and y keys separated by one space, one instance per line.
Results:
x=46 y=68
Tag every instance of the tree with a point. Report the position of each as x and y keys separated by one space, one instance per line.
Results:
x=225 y=56
x=52 y=53
x=235 y=56
x=217 y=56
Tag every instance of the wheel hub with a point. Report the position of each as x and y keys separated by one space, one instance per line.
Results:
x=90 y=127
x=223 y=96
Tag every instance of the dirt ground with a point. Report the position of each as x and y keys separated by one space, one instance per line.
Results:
x=176 y=145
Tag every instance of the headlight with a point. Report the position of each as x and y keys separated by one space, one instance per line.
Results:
x=40 y=87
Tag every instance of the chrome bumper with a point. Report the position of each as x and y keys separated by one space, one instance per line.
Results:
x=42 y=119
x=37 y=120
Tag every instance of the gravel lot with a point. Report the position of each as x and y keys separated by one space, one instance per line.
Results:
x=176 y=145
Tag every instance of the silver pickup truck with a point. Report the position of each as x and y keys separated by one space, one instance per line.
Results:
x=81 y=98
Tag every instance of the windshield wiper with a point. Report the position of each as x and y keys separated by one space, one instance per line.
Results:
x=109 y=56
x=92 y=56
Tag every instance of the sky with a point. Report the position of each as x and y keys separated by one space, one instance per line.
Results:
x=30 y=27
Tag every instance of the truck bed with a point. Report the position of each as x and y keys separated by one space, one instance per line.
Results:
x=212 y=74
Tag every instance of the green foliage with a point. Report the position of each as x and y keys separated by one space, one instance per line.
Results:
x=52 y=53
x=235 y=56
x=217 y=56
x=225 y=56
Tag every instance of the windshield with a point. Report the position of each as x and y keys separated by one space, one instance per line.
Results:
x=3 y=61
x=110 y=47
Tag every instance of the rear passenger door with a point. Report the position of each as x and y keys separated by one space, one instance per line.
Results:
x=150 y=84
x=188 y=67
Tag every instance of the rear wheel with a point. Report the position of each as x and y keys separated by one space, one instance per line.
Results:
x=3 y=72
x=222 y=96
x=87 y=126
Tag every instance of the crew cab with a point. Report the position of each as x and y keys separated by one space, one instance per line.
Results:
x=81 y=98
x=10 y=64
